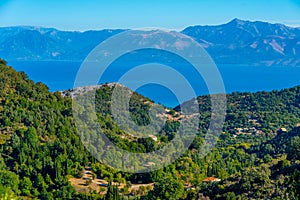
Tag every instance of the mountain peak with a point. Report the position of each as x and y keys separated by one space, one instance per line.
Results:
x=28 y=28
x=237 y=21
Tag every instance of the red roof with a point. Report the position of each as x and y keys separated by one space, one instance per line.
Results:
x=211 y=179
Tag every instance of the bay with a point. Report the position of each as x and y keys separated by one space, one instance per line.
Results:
x=60 y=75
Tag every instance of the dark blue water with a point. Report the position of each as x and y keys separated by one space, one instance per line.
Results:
x=61 y=76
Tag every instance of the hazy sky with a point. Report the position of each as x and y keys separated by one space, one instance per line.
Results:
x=171 y=14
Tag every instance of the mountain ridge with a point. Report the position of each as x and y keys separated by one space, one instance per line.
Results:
x=234 y=20
x=236 y=42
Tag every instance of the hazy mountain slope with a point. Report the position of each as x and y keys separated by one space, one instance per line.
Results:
x=33 y=43
x=237 y=42
x=244 y=42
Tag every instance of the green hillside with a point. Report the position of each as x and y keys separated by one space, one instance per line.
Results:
x=256 y=157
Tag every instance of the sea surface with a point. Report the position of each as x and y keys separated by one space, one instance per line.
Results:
x=60 y=75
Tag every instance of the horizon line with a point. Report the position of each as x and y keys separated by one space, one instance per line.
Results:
x=159 y=28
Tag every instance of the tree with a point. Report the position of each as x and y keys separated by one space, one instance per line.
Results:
x=295 y=183
x=9 y=180
x=167 y=188
x=40 y=183
x=6 y=193
x=26 y=186
x=112 y=192
x=125 y=190
x=2 y=62
x=88 y=181
x=230 y=196
x=46 y=195
x=267 y=158
x=148 y=143
x=294 y=148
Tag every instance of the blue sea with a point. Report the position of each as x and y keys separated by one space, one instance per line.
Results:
x=60 y=75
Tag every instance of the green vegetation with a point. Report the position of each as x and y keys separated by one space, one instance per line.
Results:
x=256 y=157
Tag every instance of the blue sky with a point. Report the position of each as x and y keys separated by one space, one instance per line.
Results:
x=171 y=14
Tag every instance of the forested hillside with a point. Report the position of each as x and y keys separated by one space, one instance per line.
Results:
x=256 y=157
x=39 y=146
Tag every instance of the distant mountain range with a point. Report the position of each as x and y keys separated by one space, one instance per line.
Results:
x=237 y=42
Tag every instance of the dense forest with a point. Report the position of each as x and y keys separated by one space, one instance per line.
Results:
x=256 y=157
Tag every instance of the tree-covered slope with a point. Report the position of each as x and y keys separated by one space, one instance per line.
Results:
x=39 y=146
x=276 y=176
x=256 y=156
